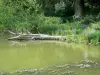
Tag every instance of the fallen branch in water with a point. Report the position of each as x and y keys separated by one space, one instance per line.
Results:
x=11 y=32
x=36 y=37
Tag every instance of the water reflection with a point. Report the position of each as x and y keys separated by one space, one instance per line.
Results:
x=16 y=55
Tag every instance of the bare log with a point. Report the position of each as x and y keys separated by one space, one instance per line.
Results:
x=11 y=32
x=37 y=37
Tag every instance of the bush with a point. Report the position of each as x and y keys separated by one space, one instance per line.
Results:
x=94 y=37
x=93 y=33
x=49 y=25
x=88 y=19
x=19 y=16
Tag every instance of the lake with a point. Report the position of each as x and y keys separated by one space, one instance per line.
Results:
x=26 y=55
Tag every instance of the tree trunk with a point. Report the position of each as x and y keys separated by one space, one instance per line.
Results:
x=79 y=8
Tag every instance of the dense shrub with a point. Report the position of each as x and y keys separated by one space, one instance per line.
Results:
x=87 y=20
x=49 y=25
x=93 y=33
x=19 y=16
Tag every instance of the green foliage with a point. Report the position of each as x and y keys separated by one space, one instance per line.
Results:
x=96 y=25
x=63 y=8
x=76 y=38
x=94 y=37
x=88 y=19
x=93 y=33
x=49 y=25
x=19 y=15
x=2 y=28
x=94 y=3
x=59 y=8
x=27 y=15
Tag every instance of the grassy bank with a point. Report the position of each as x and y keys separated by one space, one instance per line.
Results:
x=78 y=30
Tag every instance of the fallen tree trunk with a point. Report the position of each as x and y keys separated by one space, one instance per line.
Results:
x=37 y=37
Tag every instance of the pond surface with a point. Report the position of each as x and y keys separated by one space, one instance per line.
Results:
x=16 y=55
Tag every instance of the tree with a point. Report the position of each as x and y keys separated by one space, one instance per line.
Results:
x=79 y=8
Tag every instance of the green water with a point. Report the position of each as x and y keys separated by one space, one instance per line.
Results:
x=43 y=54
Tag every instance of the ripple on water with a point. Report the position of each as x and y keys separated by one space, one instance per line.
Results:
x=67 y=69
